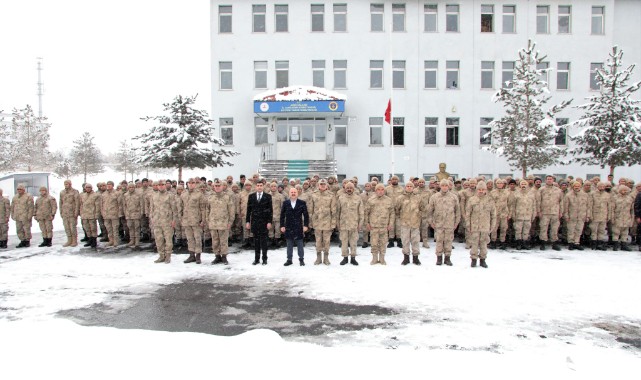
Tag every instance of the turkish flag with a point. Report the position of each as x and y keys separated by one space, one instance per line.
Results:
x=388 y=112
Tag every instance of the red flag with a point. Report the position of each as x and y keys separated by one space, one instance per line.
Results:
x=388 y=112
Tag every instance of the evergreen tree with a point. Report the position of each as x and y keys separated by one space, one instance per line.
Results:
x=86 y=158
x=611 y=129
x=5 y=139
x=525 y=135
x=182 y=139
x=28 y=141
x=126 y=159
x=61 y=164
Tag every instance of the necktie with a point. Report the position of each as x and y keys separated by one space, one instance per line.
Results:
x=259 y=195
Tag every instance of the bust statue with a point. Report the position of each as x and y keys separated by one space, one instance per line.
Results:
x=442 y=174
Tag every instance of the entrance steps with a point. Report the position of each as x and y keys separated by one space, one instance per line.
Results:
x=277 y=169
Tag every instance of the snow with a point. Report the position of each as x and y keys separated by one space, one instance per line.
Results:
x=299 y=93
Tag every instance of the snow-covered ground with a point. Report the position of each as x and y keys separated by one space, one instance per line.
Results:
x=531 y=314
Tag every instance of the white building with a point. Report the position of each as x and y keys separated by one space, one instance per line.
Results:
x=439 y=61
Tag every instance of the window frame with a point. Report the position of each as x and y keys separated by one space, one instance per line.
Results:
x=314 y=15
x=484 y=124
x=377 y=70
x=547 y=18
x=559 y=72
x=376 y=124
x=601 y=16
x=264 y=126
x=281 y=70
x=427 y=13
x=559 y=122
x=318 y=69
x=457 y=14
x=485 y=71
x=338 y=14
x=564 y=15
x=224 y=125
x=485 y=12
x=258 y=70
x=225 y=15
x=281 y=11
x=427 y=126
x=256 y=12
x=338 y=70
x=458 y=75
x=594 y=66
x=397 y=70
x=507 y=72
x=222 y=71
x=395 y=12
x=508 y=15
x=339 y=126
x=373 y=11
x=398 y=124
x=430 y=69
x=456 y=129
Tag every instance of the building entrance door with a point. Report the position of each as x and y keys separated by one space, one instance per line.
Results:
x=301 y=138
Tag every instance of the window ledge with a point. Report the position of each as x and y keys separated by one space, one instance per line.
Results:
x=376 y=145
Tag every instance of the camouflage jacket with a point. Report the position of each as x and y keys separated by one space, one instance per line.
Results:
x=90 y=205
x=45 y=207
x=480 y=214
x=69 y=203
x=22 y=207
x=221 y=211
x=162 y=209
x=380 y=212
x=409 y=210
x=444 y=211
x=322 y=209
x=349 y=212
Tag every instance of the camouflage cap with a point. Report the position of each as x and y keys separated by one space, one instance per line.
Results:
x=444 y=182
x=20 y=187
x=322 y=182
x=395 y=177
x=481 y=186
x=379 y=186
x=43 y=188
x=217 y=182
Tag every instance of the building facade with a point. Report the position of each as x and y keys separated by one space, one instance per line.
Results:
x=440 y=63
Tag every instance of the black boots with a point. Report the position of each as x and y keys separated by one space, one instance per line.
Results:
x=615 y=246
x=217 y=260
x=415 y=260
x=556 y=246
x=543 y=246
x=302 y=262
x=289 y=262
x=439 y=260
x=473 y=264
x=483 y=264
x=625 y=247
x=344 y=261
x=492 y=244
x=399 y=244
x=256 y=259
x=447 y=261
x=406 y=259
x=23 y=244
x=365 y=244
x=191 y=258
x=89 y=242
x=3 y=244
x=390 y=243
x=352 y=260
x=44 y=243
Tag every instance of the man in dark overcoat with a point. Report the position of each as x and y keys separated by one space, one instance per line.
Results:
x=294 y=221
x=259 y=220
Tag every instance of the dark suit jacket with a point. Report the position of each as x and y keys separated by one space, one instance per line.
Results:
x=637 y=206
x=259 y=213
x=294 y=219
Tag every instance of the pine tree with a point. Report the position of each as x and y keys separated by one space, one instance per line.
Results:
x=126 y=159
x=182 y=139
x=5 y=138
x=86 y=158
x=525 y=135
x=61 y=164
x=28 y=142
x=611 y=128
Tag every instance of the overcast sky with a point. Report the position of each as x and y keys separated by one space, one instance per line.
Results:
x=106 y=64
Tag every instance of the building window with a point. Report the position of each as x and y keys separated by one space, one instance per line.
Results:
x=318 y=18
x=398 y=17
x=507 y=74
x=281 y=130
x=260 y=131
x=375 y=131
x=542 y=19
x=376 y=74
x=227 y=130
x=451 y=131
x=451 y=18
x=487 y=18
x=281 y=16
x=260 y=74
x=282 y=74
x=598 y=20
x=320 y=128
x=486 y=131
x=430 y=12
x=561 y=134
x=224 y=19
x=340 y=17
x=565 y=19
x=431 y=68
x=509 y=19
x=451 y=75
x=594 y=84
x=340 y=74
x=340 y=131
x=377 y=175
x=431 y=123
x=225 y=75
x=487 y=74
x=563 y=76
x=377 y=17
x=318 y=73
x=544 y=67
x=259 y=14
x=398 y=131
x=398 y=74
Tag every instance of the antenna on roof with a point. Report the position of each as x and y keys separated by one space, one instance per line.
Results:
x=40 y=86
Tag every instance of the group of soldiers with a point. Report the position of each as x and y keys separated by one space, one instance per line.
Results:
x=201 y=214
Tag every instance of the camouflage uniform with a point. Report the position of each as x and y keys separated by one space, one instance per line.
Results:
x=44 y=211
x=424 y=194
x=522 y=212
x=600 y=215
x=322 y=209
x=464 y=196
x=163 y=215
x=481 y=220
x=5 y=213
x=22 y=212
x=277 y=204
x=194 y=212
x=379 y=218
x=221 y=212
x=393 y=192
x=349 y=219
x=577 y=209
x=550 y=200
x=90 y=204
x=133 y=206
x=500 y=198
x=179 y=231
x=409 y=211
x=69 y=211
x=622 y=215
x=365 y=196
x=111 y=211
x=444 y=214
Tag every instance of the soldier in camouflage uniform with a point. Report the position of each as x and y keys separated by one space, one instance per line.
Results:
x=522 y=206
x=22 y=213
x=104 y=235
x=111 y=211
x=220 y=214
x=409 y=210
x=44 y=212
x=600 y=216
x=5 y=213
x=349 y=220
x=368 y=192
x=145 y=231
x=242 y=214
x=393 y=191
x=444 y=215
x=464 y=196
x=481 y=220
x=179 y=231
x=69 y=211
x=163 y=215
x=500 y=195
x=133 y=206
x=576 y=212
x=550 y=211
x=424 y=193
x=622 y=216
x=322 y=206
x=379 y=221
x=90 y=205
x=194 y=213
x=277 y=204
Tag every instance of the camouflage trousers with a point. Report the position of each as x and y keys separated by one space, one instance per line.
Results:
x=574 y=228
x=134 y=228
x=598 y=231
x=620 y=234
x=23 y=229
x=274 y=232
x=179 y=231
x=112 y=228
x=90 y=227
x=411 y=237
x=219 y=241
x=4 y=231
x=163 y=236
x=46 y=227
x=378 y=237
x=444 y=239
x=103 y=228
x=144 y=224
x=323 y=238
x=501 y=225
x=194 y=238
x=71 y=226
x=522 y=229
x=551 y=221
x=479 y=241
x=349 y=238
x=425 y=233
x=396 y=231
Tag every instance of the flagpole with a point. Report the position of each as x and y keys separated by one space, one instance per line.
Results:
x=391 y=94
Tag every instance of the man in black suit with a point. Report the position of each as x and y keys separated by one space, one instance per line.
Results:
x=259 y=220
x=294 y=221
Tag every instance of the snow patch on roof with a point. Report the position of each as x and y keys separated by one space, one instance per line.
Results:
x=298 y=93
